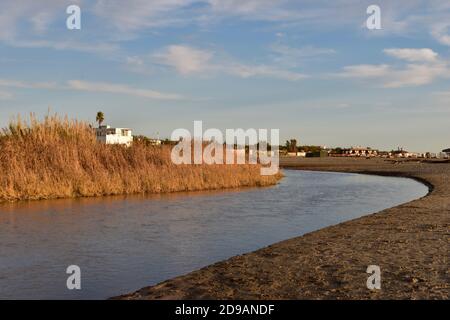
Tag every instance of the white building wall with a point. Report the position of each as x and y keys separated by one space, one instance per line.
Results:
x=118 y=139
x=108 y=135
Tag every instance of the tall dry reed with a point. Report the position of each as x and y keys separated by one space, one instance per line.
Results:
x=59 y=158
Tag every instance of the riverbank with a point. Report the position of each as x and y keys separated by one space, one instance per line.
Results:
x=60 y=158
x=409 y=242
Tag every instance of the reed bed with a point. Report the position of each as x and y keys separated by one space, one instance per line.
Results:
x=60 y=158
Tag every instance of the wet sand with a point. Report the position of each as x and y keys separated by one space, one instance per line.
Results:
x=410 y=243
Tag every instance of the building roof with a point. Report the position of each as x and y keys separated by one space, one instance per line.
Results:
x=109 y=127
x=400 y=151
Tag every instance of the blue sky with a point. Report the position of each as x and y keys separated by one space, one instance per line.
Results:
x=310 y=68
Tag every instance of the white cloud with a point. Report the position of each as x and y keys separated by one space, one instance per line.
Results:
x=33 y=21
x=423 y=67
x=120 y=89
x=440 y=32
x=365 y=71
x=28 y=17
x=398 y=16
x=413 y=55
x=184 y=59
x=117 y=19
x=415 y=75
x=187 y=60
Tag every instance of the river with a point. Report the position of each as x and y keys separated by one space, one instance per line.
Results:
x=123 y=243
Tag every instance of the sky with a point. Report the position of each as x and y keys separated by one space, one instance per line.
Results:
x=311 y=69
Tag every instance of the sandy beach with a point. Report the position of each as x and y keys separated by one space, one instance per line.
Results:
x=410 y=243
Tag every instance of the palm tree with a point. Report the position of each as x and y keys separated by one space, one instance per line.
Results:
x=293 y=145
x=100 y=118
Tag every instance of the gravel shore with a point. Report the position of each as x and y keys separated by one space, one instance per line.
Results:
x=410 y=243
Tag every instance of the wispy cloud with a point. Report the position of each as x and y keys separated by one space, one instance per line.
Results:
x=187 y=60
x=99 y=48
x=41 y=24
x=413 y=55
x=440 y=31
x=143 y=14
x=423 y=67
x=246 y=71
x=294 y=56
x=27 y=85
x=90 y=86
x=269 y=10
x=35 y=21
x=28 y=17
x=365 y=71
x=120 y=89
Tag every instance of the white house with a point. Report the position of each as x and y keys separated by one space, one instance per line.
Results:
x=108 y=135
x=400 y=153
x=297 y=154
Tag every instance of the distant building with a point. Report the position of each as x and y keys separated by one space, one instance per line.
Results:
x=447 y=152
x=297 y=154
x=400 y=153
x=152 y=142
x=317 y=154
x=147 y=140
x=108 y=135
x=443 y=155
x=360 y=152
x=384 y=154
x=155 y=142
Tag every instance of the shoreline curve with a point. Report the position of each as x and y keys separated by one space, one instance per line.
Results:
x=409 y=242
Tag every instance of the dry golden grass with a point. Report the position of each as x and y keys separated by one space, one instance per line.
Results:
x=60 y=158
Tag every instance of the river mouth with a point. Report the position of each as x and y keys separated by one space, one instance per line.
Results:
x=124 y=243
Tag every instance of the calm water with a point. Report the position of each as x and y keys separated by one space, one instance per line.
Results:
x=125 y=243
